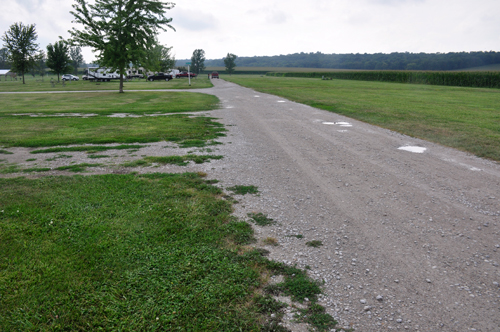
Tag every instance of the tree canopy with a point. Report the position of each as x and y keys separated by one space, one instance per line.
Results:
x=23 y=51
x=377 y=61
x=198 y=61
x=58 y=59
x=121 y=31
x=76 y=56
x=229 y=62
x=159 y=59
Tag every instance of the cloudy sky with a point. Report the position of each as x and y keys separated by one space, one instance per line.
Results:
x=273 y=27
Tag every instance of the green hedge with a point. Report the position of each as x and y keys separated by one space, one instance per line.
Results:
x=468 y=79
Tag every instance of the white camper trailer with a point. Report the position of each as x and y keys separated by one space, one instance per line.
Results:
x=100 y=74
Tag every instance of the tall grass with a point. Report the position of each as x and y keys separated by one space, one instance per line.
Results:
x=464 y=79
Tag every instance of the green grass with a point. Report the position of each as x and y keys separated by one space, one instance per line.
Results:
x=173 y=160
x=298 y=236
x=106 y=103
x=44 y=132
x=261 y=219
x=98 y=156
x=5 y=152
x=314 y=243
x=243 y=190
x=463 y=118
x=77 y=167
x=130 y=253
x=86 y=148
x=36 y=84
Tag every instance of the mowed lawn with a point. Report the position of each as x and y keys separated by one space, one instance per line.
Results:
x=131 y=252
x=37 y=84
x=47 y=129
x=123 y=253
x=464 y=118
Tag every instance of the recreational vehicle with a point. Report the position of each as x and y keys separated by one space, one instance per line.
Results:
x=100 y=74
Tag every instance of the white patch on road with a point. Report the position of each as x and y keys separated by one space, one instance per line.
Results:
x=414 y=149
x=257 y=96
x=343 y=124
x=281 y=101
x=230 y=107
x=471 y=168
x=342 y=131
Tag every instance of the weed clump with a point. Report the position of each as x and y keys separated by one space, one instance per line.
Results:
x=270 y=241
x=314 y=243
x=261 y=219
x=243 y=190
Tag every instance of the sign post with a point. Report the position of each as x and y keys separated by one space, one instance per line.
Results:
x=189 y=74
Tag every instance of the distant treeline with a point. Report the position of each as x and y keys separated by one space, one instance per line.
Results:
x=465 y=79
x=378 y=61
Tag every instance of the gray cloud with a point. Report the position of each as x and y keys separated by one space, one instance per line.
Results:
x=276 y=17
x=192 y=20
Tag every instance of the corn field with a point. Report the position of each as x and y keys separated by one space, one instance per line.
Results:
x=464 y=79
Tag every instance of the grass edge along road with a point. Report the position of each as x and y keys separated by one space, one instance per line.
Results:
x=137 y=252
x=467 y=119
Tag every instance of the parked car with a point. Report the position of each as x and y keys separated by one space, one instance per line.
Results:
x=215 y=75
x=185 y=74
x=69 y=77
x=160 y=77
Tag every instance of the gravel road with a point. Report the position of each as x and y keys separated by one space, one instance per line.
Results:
x=411 y=240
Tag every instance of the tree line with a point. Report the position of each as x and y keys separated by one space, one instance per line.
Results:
x=377 y=61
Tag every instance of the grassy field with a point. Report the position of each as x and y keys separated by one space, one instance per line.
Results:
x=45 y=130
x=124 y=252
x=130 y=252
x=464 y=118
x=36 y=84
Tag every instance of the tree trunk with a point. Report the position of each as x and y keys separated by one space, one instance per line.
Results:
x=121 y=82
x=23 y=78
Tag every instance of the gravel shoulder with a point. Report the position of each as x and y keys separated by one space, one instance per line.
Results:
x=411 y=241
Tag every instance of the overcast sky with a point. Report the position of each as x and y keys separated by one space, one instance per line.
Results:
x=273 y=27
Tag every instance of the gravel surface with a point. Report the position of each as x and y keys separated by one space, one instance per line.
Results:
x=410 y=240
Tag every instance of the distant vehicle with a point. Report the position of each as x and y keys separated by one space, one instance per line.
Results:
x=100 y=74
x=185 y=74
x=135 y=76
x=160 y=77
x=215 y=75
x=174 y=72
x=135 y=73
x=69 y=77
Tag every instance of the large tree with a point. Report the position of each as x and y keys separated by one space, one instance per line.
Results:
x=198 y=61
x=159 y=59
x=121 y=31
x=20 y=40
x=229 y=62
x=4 y=58
x=58 y=58
x=76 y=56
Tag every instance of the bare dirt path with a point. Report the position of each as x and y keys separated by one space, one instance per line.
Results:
x=411 y=241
